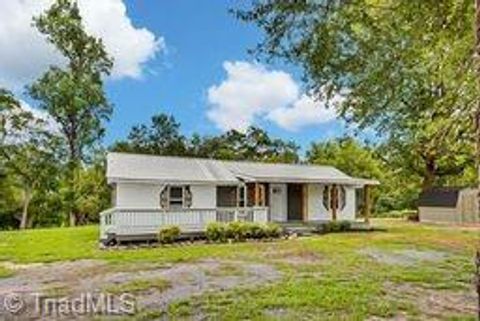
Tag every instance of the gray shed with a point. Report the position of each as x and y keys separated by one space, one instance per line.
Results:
x=448 y=205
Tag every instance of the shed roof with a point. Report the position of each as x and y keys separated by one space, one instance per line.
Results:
x=439 y=197
x=136 y=167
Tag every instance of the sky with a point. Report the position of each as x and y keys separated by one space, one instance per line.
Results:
x=187 y=58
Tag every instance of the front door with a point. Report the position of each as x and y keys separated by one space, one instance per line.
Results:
x=295 y=202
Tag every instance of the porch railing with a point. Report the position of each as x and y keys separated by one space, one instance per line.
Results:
x=134 y=221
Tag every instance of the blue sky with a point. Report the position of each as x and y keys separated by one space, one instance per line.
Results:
x=189 y=59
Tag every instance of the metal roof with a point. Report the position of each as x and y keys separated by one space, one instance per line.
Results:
x=136 y=167
x=439 y=197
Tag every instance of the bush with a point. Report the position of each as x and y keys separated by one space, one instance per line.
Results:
x=254 y=231
x=335 y=227
x=216 y=232
x=168 y=234
x=241 y=231
x=237 y=231
x=273 y=230
x=344 y=226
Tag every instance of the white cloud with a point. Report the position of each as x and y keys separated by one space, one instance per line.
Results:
x=40 y=120
x=48 y=123
x=251 y=92
x=304 y=112
x=24 y=53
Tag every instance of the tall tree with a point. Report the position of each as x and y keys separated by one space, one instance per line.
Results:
x=73 y=94
x=253 y=144
x=161 y=137
x=26 y=150
x=393 y=74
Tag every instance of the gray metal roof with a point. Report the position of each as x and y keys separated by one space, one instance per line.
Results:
x=439 y=197
x=135 y=167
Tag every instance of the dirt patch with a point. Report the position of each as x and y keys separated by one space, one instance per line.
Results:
x=72 y=279
x=399 y=317
x=434 y=303
x=293 y=257
x=404 y=257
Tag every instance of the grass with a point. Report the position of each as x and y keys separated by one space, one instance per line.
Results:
x=341 y=284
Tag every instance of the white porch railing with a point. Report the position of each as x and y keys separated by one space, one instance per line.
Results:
x=131 y=221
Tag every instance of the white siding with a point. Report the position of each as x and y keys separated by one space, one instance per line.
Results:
x=204 y=196
x=137 y=195
x=348 y=213
x=316 y=210
x=278 y=202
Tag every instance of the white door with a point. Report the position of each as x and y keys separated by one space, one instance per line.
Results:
x=278 y=202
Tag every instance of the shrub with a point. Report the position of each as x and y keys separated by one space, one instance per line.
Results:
x=335 y=227
x=272 y=230
x=241 y=231
x=344 y=226
x=256 y=231
x=168 y=234
x=237 y=231
x=216 y=232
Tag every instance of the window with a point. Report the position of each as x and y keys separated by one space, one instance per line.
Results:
x=342 y=197
x=176 y=197
x=241 y=196
x=226 y=196
x=326 y=197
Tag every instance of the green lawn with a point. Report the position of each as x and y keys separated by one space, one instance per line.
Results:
x=330 y=277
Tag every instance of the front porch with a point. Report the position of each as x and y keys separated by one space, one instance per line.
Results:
x=136 y=223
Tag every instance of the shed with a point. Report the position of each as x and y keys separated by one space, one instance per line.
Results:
x=448 y=205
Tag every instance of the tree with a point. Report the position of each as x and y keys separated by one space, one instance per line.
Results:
x=26 y=151
x=73 y=95
x=408 y=76
x=161 y=137
x=254 y=144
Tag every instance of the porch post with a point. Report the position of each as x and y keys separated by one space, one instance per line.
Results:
x=334 y=202
x=245 y=196
x=257 y=194
x=366 y=203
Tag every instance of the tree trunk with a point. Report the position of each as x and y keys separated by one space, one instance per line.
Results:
x=27 y=197
x=477 y=124
x=72 y=193
x=429 y=174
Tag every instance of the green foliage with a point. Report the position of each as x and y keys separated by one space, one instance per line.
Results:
x=216 y=232
x=236 y=231
x=255 y=144
x=241 y=231
x=335 y=227
x=410 y=77
x=397 y=190
x=73 y=95
x=161 y=137
x=168 y=234
x=273 y=230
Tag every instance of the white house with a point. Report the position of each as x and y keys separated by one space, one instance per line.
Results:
x=154 y=191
